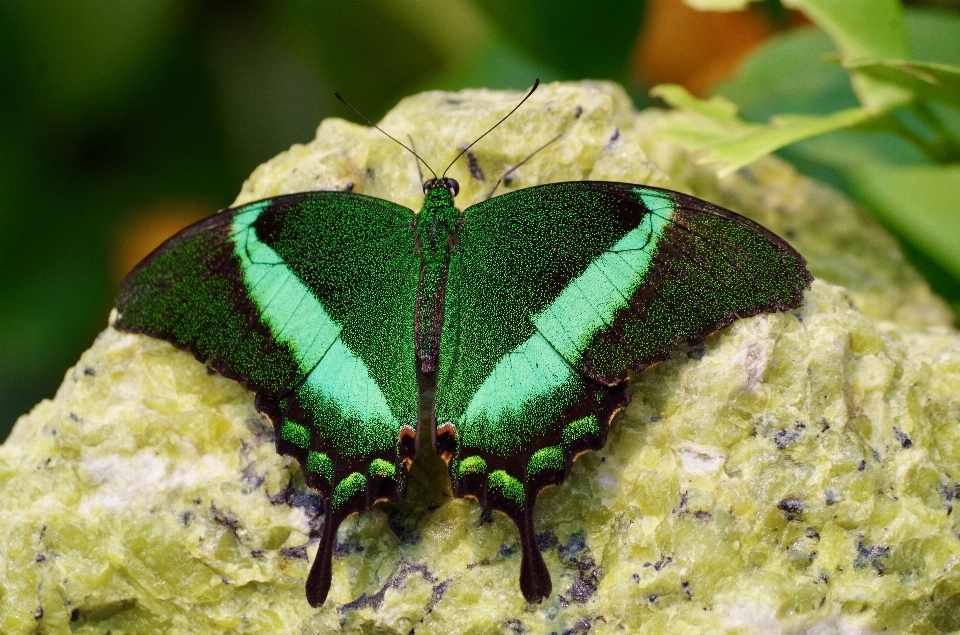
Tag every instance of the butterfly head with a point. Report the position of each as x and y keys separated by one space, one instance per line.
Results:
x=446 y=183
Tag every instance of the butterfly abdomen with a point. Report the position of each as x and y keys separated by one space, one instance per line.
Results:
x=435 y=238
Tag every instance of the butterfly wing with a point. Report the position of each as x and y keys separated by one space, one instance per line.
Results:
x=308 y=301
x=554 y=295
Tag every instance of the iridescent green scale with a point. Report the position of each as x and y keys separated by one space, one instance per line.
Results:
x=502 y=335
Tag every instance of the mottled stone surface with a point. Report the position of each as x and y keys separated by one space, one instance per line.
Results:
x=795 y=473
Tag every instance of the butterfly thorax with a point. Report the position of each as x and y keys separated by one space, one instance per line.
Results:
x=435 y=238
x=435 y=226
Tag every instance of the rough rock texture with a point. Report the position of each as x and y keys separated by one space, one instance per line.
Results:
x=795 y=473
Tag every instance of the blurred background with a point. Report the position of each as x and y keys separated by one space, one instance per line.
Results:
x=123 y=121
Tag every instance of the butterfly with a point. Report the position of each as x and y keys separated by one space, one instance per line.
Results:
x=501 y=336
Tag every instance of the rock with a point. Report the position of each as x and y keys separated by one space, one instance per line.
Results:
x=797 y=472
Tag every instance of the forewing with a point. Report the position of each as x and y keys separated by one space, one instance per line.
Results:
x=555 y=294
x=307 y=300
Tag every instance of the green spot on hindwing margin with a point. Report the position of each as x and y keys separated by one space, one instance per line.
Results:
x=549 y=458
x=472 y=465
x=320 y=463
x=579 y=429
x=382 y=469
x=295 y=434
x=510 y=487
x=348 y=487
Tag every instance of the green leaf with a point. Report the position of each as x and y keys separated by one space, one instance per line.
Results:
x=859 y=28
x=928 y=80
x=920 y=202
x=735 y=143
x=864 y=28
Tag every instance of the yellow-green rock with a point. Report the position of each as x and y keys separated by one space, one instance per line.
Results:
x=795 y=473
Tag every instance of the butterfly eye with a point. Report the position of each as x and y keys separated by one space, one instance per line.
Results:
x=429 y=185
x=452 y=186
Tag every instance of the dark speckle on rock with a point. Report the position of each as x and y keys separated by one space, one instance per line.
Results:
x=38 y=614
x=581 y=627
x=577 y=112
x=792 y=507
x=89 y=372
x=40 y=558
x=309 y=502
x=575 y=544
x=256 y=553
x=662 y=562
x=863 y=465
x=295 y=553
x=398 y=581
x=546 y=539
x=950 y=493
x=903 y=438
x=438 y=591
x=870 y=556
x=783 y=438
x=613 y=138
x=474 y=167
x=251 y=479
x=345 y=548
x=225 y=519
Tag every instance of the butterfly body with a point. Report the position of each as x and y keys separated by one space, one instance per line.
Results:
x=502 y=335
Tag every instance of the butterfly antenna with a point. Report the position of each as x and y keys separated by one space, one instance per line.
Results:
x=514 y=168
x=362 y=116
x=464 y=151
x=419 y=171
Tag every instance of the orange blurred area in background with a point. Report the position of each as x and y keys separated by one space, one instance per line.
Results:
x=697 y=49
x=148 y=227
